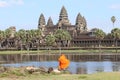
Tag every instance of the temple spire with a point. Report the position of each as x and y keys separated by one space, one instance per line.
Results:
x=41 y=21
x=63 y=13
x=50 y=22
x=78 y=19
x=81 y=23
x=85 y=23
x=63 y=17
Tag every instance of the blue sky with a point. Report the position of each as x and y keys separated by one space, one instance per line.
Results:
x=24 y=14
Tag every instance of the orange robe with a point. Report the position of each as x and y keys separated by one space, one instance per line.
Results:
x=63 y=62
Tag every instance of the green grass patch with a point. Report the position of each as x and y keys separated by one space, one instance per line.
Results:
x=82 y=77
x=58 y=51
x=97 y=76
x=4 y=74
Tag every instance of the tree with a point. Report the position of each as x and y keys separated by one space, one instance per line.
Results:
x=7 y=33
x=38 y=36
x=7 y=36
x=113 y=19
x=64 y=36
x=50 y=40
x=116 y=35
x=99 y=34
x=21 y=37
x=2 y=37
x=28 y=38
x=109 y=36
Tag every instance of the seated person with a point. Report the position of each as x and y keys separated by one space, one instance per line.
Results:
x=63 y=62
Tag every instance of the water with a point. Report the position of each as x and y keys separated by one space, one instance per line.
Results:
x=88 y=67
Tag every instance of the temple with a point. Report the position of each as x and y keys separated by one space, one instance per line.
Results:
x=75 y=30
x=81 y=36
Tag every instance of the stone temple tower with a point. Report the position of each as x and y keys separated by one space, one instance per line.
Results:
x=41 y=22
x=63 y=17
x=50 y=22
x=81 y=23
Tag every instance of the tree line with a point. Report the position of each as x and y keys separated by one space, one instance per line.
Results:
x=33 y=37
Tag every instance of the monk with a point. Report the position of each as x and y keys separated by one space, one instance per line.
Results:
x=63 y=62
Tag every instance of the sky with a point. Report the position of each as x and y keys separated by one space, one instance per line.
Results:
x=24 y=14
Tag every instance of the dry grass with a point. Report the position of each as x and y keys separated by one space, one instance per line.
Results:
x=97 y=76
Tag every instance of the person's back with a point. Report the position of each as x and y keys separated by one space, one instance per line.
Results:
x=63 y=62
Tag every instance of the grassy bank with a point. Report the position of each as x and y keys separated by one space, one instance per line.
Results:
x=58 y=51
x=97 y=76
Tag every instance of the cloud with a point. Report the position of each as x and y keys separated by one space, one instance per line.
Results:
x=17 y=2
x=6 y=3
x=3 y=4
x=115 y=6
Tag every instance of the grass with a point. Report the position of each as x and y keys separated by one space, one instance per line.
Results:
x=97 y=76
x=58 y=51
x=105 y=76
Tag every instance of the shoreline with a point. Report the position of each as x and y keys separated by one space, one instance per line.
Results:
x=17 y=74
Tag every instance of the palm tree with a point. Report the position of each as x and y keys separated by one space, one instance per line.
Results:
x=113 y=19
x=108 y=36
x=59 y=36
x=21 y=37
x=38 y=36
x=64 y=36
x=50 y=40
x=28 y=37
x=116 y=35
x=99 y=34
x=7 y=36
x=2 y=36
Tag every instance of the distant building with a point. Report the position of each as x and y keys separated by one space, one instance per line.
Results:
x=80 y=25
x=78 y=31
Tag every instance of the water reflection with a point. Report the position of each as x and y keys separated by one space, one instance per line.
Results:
x=88 y=67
